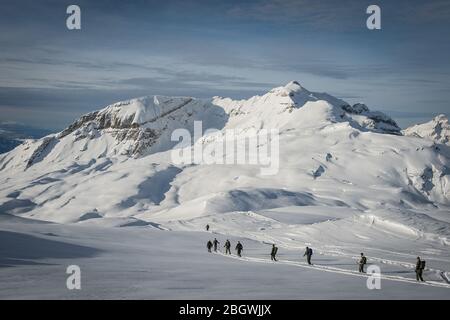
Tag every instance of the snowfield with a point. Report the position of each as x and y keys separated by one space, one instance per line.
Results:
x=105 y=194
x=142 y=262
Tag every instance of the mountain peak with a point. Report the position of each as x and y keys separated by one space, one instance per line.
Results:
x=291 y=89
x=438 y=130
x=441 y=118
x=294 y=86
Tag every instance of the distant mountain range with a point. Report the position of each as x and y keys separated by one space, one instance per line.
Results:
x=12 y=134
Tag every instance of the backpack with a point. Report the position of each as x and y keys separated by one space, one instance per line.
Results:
x=422 y=264
x=310 y=252
x=364 y=260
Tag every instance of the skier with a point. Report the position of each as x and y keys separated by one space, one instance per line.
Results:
x=273 y=253
x=308 y=253
x=215 y=242
x=239 y=248
x=227 y=247
x=207 y=227
x=362 y=262
x=420 y=266
x=209 y=245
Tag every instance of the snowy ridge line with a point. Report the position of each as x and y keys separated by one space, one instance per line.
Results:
x=336 y=270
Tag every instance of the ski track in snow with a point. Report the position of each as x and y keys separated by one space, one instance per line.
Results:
x=194 y=224
x=334 y=270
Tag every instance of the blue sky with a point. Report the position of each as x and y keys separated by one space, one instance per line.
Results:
x=49 y=75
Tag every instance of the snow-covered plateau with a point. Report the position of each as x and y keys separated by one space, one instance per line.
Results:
x=105 y=194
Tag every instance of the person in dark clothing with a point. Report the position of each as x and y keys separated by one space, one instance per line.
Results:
x=362 y=262
x=308 y=253
x=209 y=245
x=273 y=253
x=207 y=227
x=420 y=265
x=215 y=242
x=239 y=248
x=227 y=247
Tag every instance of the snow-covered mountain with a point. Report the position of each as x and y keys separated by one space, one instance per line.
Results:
x=438 y=130
x=143 y=126
x=347 y=177
x=126 y=147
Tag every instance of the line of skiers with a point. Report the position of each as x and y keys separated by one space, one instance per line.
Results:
x=420 y=265
x=212 y=245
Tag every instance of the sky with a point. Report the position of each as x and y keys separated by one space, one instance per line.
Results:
x=50 y=75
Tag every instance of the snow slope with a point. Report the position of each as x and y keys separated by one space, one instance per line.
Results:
x=348 y=179
x=147 y=263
